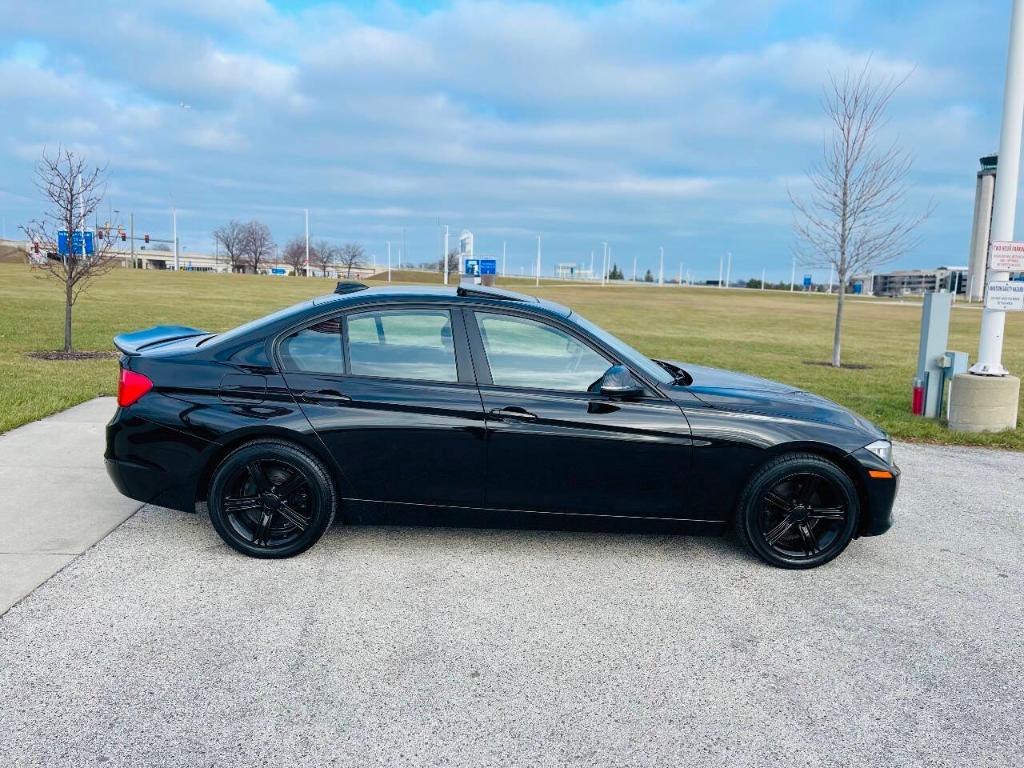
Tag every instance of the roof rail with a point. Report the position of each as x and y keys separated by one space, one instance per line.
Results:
x=350 y=286
x=488 y=292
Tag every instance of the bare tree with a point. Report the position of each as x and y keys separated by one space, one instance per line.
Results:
x=294 y=254
x=73 y=192
x=853 y=217
x=324 y=255
x=350 y=256
x=232 y=239
x=258 y=244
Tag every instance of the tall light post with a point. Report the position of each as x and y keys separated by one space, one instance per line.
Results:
x=307 y=241
x=389 y=261
x=762 y=278
x=792 y=276
x=591 y=263
x=174 y=235
x=444 y=256
x=986 y=399
x=728 y=269
x=661 y=265
x=538 y=262
x=604 y=262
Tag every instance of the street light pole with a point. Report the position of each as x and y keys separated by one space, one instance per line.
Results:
x=661 y=265
x=538 y=261
x=307 y=241
x=792 y=277
x=1004 y=206
x=604 y=262
x=728 y=269
x=987 y=398
x=174 y=229
x=444 y=256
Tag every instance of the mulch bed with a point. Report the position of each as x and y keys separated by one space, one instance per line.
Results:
x=71 y=355
x=851 y=366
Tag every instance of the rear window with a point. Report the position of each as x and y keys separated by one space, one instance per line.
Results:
x=402 y=344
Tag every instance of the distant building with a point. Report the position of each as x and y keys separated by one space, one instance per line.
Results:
x=567 y=270
x=911 y=282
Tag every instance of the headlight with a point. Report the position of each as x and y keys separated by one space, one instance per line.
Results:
x=882 y=449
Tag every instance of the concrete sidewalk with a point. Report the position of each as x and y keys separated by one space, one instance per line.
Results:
x=56 y=500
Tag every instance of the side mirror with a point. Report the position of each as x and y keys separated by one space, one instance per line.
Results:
x=619 y=382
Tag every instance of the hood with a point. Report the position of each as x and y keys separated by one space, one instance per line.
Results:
x=730 y=391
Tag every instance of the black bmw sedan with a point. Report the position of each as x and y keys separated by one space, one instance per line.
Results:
x=478 y=406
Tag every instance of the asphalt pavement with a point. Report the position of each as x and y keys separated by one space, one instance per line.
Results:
x=400 y=646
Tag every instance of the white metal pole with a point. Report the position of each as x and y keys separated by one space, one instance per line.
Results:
x=591 y=263
x=389 y=261
x=307 y=241
x=604 y=262
x=721 y=266
x=661 y=265
x=1004 y=205
x=634 y=268
x=503 y=258
x=831 y=278
x=762 y=278
x=680 y=280
x=444 y=256
x=81 y=213
x=728 y=269
x=792 y=277
x=174 y=229
x=538 y=261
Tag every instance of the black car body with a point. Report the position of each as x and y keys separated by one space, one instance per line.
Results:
x=437 y=405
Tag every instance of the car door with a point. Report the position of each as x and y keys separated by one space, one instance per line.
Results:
x=391 y=393
x=554 y=443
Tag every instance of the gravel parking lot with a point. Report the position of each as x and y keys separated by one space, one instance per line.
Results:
x=402 y=646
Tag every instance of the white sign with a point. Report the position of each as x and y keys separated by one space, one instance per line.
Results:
x=1006 y=257
x=1005 y=295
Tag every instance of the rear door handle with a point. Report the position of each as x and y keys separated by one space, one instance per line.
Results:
x=325 y=396
x=512 y=412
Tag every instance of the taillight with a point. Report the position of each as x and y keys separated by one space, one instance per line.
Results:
x=131 y=386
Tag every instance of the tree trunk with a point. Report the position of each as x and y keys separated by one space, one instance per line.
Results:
x=837 y=339
x=68 y=303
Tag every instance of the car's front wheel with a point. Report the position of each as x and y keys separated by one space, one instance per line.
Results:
x=798 y=511
x=271 y=499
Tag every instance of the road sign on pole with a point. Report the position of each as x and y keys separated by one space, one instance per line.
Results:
x=1005 y=296
x=1006 y=257
x=76 y=242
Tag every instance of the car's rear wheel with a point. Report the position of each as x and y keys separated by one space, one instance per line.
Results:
x=271 y=499
x=798 y=511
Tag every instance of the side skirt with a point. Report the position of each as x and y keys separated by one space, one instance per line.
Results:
x=365 y=512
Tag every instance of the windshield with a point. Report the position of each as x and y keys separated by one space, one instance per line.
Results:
x=644 y=363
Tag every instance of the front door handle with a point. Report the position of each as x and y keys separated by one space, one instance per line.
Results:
x=512 y=412
x=325 y=396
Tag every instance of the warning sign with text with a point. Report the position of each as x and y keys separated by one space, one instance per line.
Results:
x=1006 y=257
x=1007 y=295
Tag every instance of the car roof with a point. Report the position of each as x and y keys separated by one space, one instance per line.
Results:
x=469 y=293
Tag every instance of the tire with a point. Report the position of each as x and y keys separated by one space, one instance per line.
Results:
x=798 y=511
x=271 y=499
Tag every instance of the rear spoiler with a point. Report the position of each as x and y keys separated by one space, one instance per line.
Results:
x=133 y=343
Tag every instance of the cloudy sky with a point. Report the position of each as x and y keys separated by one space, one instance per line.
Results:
x=640 y=123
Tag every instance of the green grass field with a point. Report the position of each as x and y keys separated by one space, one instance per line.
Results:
x=771 y=334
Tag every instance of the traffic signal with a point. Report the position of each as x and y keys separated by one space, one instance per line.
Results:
x=123 y=236
x=35 y=247
x=146 y=237
x=99 y=233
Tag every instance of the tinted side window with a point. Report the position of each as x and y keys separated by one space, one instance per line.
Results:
x=402 y=344
x=316 y=349
x=527 y=353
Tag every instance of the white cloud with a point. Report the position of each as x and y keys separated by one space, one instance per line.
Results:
x=639 y=120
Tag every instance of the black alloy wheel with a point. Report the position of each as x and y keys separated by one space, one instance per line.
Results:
x=798 y=511
x=271 y=499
